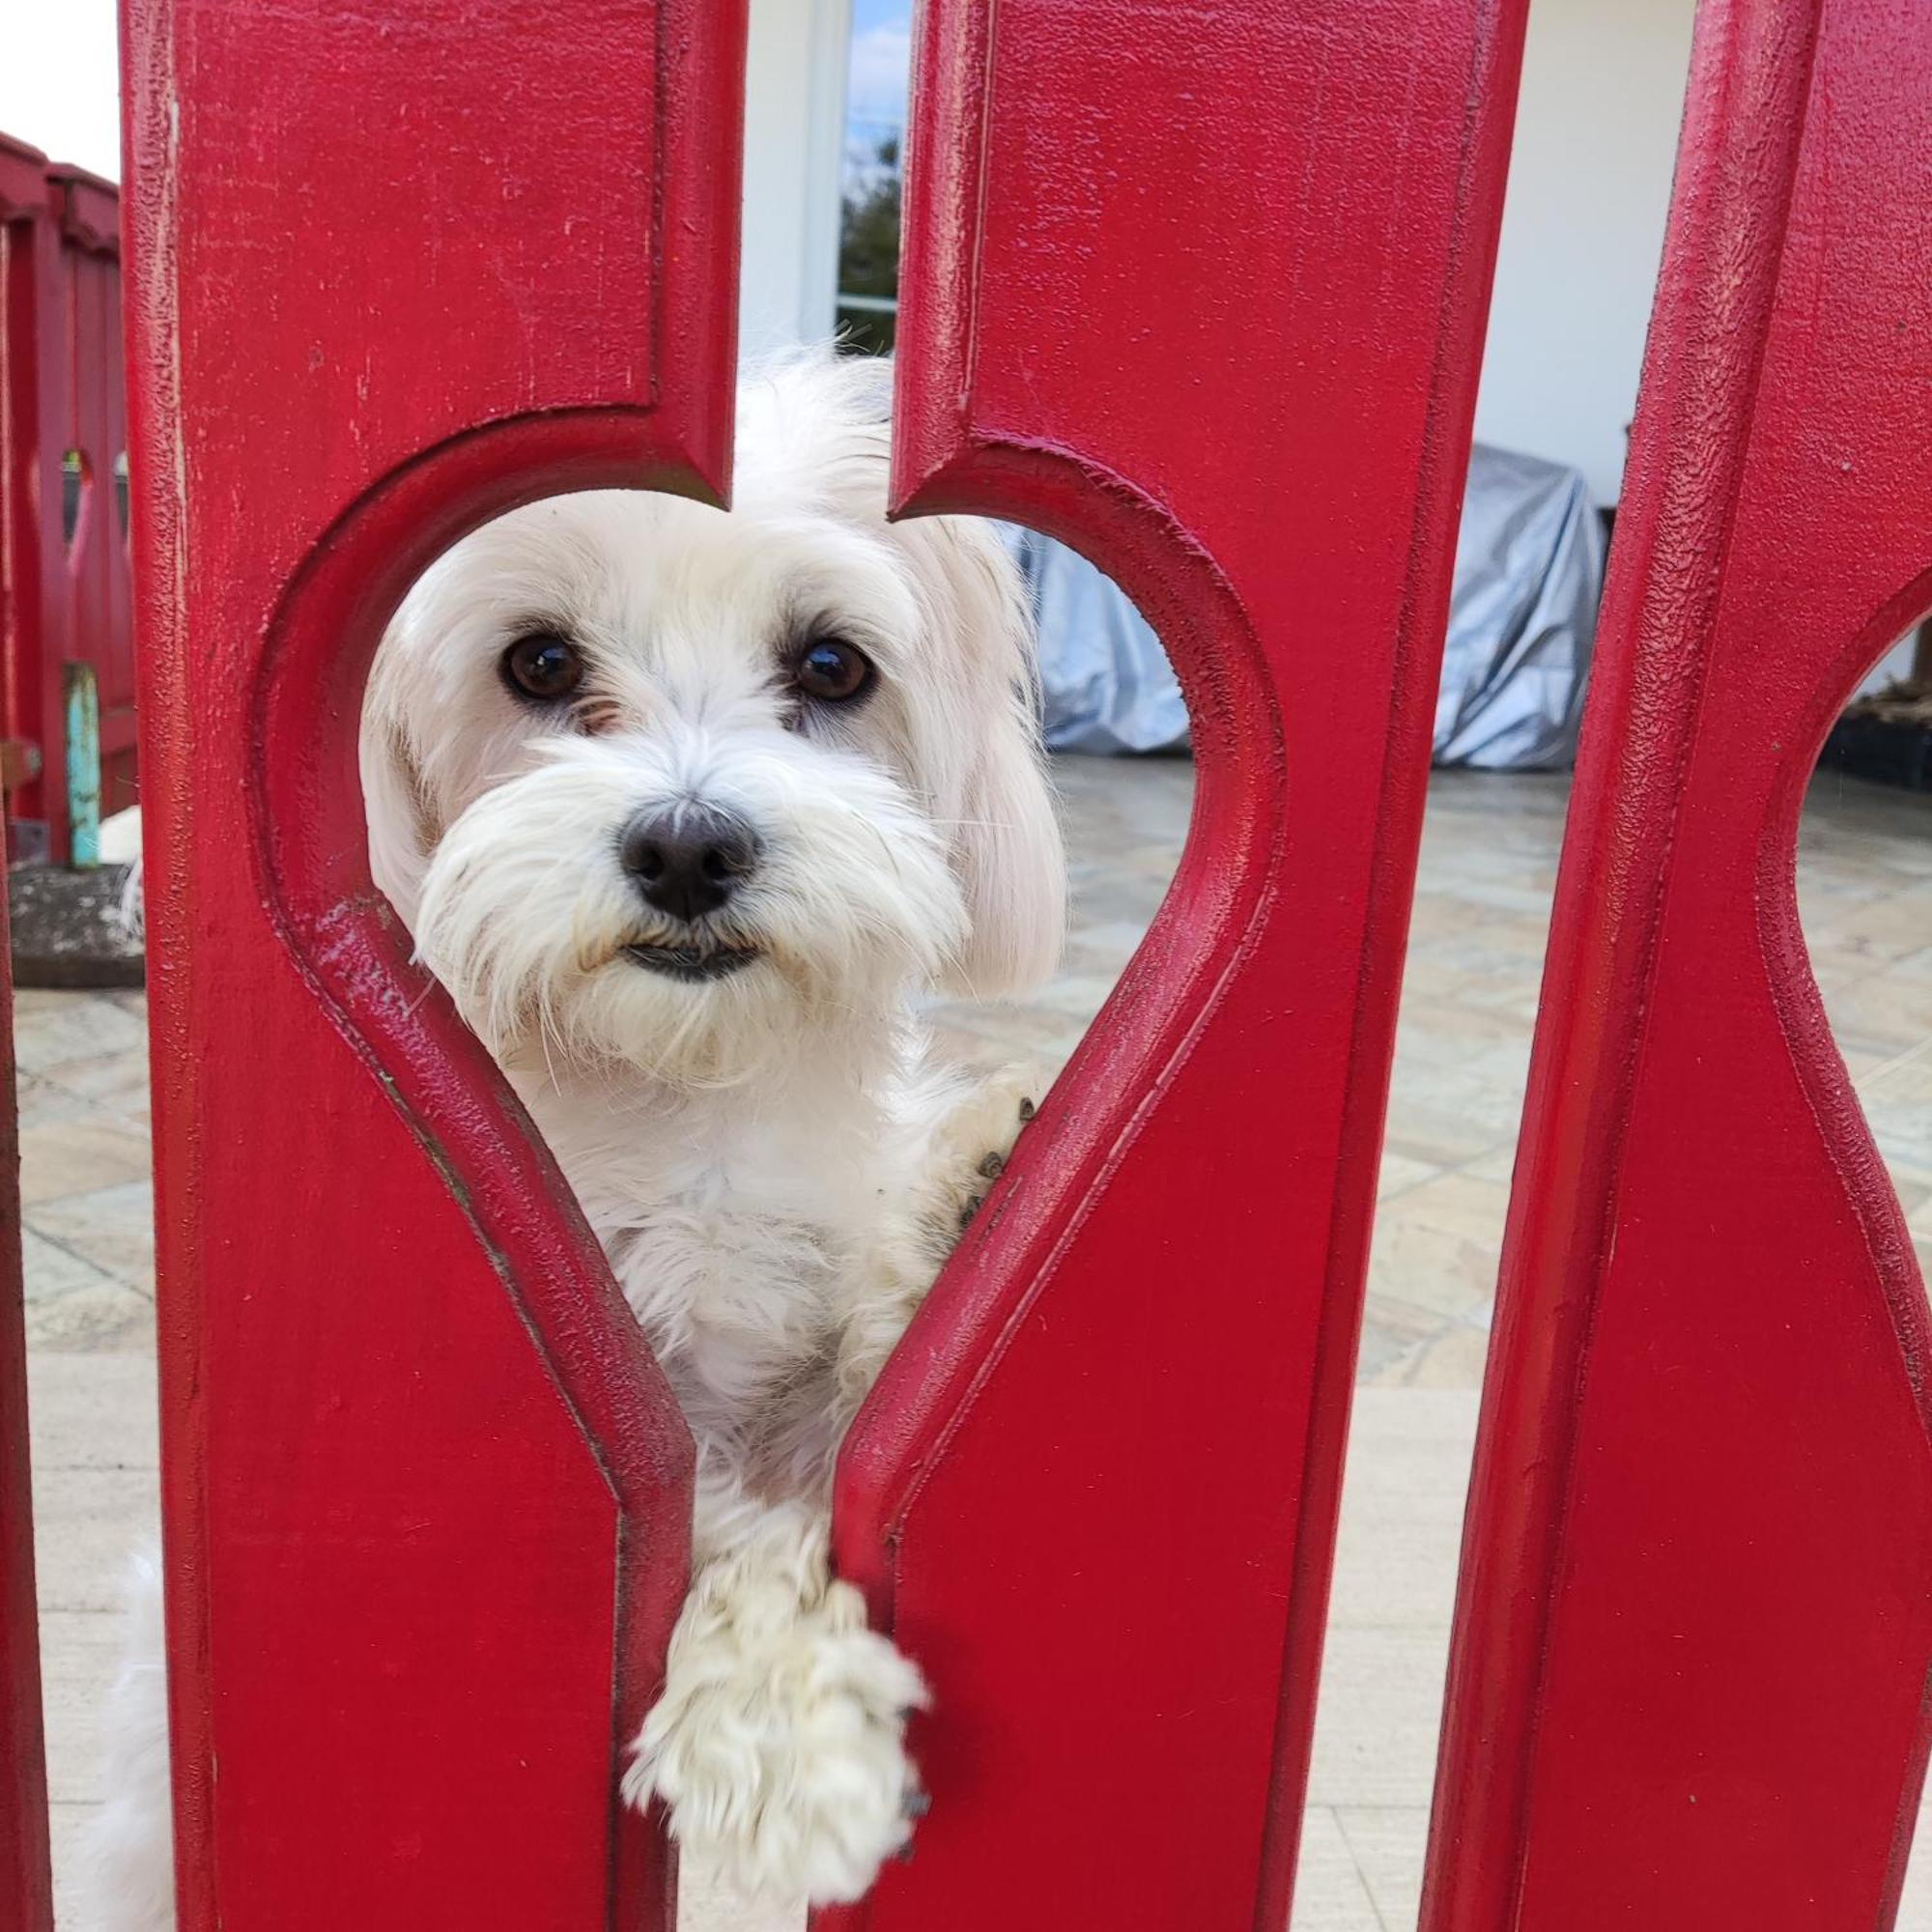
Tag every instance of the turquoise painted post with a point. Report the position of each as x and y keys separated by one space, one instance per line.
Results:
x=83 y=765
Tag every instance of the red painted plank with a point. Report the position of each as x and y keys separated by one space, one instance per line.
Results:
x=1688 y=1684
x=426 y=1495
x=26 y=1883
x=1202 y=292
x=36 y=366
x=60 y=308
x=95 y=622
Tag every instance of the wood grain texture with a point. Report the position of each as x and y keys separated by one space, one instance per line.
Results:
x=426 y=1496
x=1200 y=291
x=1696 y=1619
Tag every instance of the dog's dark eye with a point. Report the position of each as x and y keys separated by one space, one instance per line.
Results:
x=833 y=671
x=542 y=666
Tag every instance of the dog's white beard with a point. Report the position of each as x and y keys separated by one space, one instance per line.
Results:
x=526 y=912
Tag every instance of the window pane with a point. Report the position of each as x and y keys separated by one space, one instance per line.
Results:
x=876 y=117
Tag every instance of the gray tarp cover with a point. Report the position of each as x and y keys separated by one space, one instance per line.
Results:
x=1529 y=564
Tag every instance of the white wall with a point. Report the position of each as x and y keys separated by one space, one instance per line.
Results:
x=794 y=150
x=1603 y=93
x=59 y=84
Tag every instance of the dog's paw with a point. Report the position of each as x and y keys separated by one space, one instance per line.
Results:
x=778 y=1746
x=971 y=1146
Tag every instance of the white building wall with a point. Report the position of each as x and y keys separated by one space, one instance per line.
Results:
x=60 y=88
x=1589 y=187
x=794 y=146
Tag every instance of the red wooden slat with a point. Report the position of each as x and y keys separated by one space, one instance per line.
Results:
x=1689 y=1684
x=96 y=623
x=26 y=1884
x=426 y=1495
x=1201 y=290
x=60 y=350
x=36 y=362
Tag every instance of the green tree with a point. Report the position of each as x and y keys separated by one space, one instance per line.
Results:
x=868 y=251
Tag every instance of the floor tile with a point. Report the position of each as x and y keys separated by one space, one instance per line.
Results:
x=89 y=1523
x=116 y=1080
x=80 y=1155
x=67 y=1822
x=1454 y=1359
x=80 y=1651
x=1388 y=1843
x=111 y=1226
x=54 y=1030
x=1490 y=845
x=1331 y=1892
x=101 y=1314
x=1427 y=1266
x=51 y=1270
x=1385 y=1686
x=92 y=1412
x=1400 y=1173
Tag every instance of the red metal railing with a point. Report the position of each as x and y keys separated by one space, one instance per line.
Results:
x=1202 y=289
x=64 y=561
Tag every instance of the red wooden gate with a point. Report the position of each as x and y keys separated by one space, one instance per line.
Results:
x=1201 y=290
x=65 y=595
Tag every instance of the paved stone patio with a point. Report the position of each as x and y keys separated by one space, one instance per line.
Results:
x=1488 y=869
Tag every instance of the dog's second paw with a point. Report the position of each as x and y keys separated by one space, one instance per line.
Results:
x=778 y=1746
x=971 y=1146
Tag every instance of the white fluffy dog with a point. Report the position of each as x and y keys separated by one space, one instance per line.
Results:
x=687 y=809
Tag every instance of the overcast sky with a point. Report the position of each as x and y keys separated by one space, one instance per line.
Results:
x=59 y=89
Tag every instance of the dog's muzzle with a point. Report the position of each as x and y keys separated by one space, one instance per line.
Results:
x=693 y=964
x=687 y=861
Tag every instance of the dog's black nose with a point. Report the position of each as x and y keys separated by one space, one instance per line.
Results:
x=687 y=859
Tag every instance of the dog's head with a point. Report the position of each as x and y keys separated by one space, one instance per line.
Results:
x=655 y=783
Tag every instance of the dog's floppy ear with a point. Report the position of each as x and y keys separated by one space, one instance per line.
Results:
x=401 y=821
x=1006 y=845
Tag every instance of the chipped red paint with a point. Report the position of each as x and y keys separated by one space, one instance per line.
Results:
x=1688 y=1691
x=427 y=1498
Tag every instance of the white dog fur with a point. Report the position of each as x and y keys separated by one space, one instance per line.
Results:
x=774 y=1157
